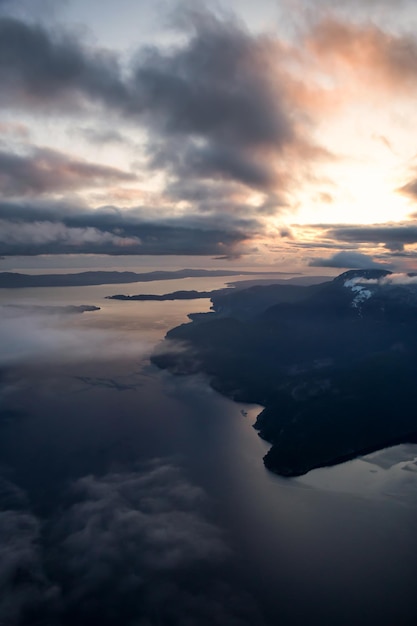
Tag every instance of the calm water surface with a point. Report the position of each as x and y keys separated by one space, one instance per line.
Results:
x=337 y=546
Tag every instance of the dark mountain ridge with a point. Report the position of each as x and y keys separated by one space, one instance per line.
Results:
x=333 y=364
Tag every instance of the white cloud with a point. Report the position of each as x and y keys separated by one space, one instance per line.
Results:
x=54 y=338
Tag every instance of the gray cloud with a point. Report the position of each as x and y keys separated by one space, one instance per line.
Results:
x=38 y=68
x=158 y=511
x=32 y=8
x=347 y=259
x=218 y=124
x=25 y=591
x=101 y=136
x=208 y=161
x=404 y=254
x=128 y=547
x=36 y=336
x=214 y=105
x=213 y=85
x=221 y=197
x=46 y=171
x=145 y=537
x=320 y=244
x=217 y=96
x=394 y=237
x=218 y=85
x=63 y=229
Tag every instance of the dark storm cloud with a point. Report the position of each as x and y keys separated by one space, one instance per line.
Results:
x=220 y=123
x=211 y=161
x=39 y=68
x=218 y=85
x=47 y=171
x=61 y=229
x=213 y=105
x=219 y=95
x=347 y=259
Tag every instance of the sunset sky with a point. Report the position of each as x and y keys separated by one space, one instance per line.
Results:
x=271 y=133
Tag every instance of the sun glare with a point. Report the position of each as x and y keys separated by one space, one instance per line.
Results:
x=363 y=195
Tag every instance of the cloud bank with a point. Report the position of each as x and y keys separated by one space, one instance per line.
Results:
x=36 y=337
x=128 y=547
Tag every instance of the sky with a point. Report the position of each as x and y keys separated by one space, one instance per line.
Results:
x=275 y=134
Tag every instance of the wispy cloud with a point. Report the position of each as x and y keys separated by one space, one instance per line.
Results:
x=43 y=170
x=39 y=337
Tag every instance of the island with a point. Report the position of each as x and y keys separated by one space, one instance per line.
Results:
x=175 y=295
x=334 y=364
x=215 y=294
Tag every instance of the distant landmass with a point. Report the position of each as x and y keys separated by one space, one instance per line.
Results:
x=175 y=295
x=333 y=364
x=14 y=280
x=297 y=280
x=215 y=294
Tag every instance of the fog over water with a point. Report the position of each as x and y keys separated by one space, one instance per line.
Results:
x=130 y=496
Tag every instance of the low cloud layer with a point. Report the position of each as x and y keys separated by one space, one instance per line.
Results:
x=390 y=280
x=33 y=337
x=127 y=548
x=25 y=590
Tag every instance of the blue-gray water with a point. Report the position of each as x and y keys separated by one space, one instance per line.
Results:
x=337 y=546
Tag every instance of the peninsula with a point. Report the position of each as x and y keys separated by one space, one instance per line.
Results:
x=333 y=364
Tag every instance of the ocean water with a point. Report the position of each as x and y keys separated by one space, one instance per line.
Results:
x=337 y=546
